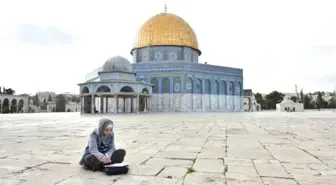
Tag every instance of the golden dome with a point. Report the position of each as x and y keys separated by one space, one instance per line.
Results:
x=166 y=29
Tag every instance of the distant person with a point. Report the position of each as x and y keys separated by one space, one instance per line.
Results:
x=101 y=148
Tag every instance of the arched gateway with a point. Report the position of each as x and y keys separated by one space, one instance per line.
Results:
x=115 y=90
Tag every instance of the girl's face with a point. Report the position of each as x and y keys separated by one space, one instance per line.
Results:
x=108 y=130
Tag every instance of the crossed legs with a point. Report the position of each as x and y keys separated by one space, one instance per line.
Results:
x=92 y=163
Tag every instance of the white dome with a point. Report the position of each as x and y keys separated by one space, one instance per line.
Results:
x=117 y=63
x=287 y=101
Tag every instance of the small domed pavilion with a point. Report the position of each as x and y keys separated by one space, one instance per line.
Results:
x=115 y=90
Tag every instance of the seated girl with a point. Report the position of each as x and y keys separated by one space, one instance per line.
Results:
x=100 y=150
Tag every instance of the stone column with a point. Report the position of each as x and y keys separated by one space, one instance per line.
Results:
x=92 y=104
x=145 y=109
x=0 y=106
x=124 y=105
x=116 y=104
x=101 y=104
x=81 y=105
x=106 y=105
x=149 y=104
x=137 y=104
x=131 y=104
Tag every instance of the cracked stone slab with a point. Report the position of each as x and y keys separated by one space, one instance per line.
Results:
x=183 y=148
x=204 y=178
x=269 y=169
x=87 y=181
x=291 y=154
x=231 y=161
x=16 y=165
x=169 y=162
x=278 y=181
x=144 y=170
x=209 y=165
x=146 y=180
x=176 y=155
x=248 y=171
x=254 y=152
x=173 y=172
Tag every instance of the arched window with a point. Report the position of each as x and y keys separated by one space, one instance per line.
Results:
x=207 y=87
x=189 y=84
x=166 y=85
x=216 y=87
x=155 y=82
x=199 y=87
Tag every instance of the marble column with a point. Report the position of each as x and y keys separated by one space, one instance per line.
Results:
x=131 y=104
x=116 y=104
x=92 y=104
x=106 y=105
x=137 y=104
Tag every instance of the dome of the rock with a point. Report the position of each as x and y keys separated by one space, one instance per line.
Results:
x=166 y=29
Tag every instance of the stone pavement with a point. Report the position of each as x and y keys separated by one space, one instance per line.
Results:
x=265 y=148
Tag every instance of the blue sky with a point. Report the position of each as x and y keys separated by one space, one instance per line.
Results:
x=51 y=45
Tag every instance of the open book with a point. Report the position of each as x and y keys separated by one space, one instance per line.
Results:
x=116 y=165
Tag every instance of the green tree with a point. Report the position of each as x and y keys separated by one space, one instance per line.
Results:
x=260 y=100
x=49 y=98
x=273 y=98
x=307 y=102
x=332 y=103
x=294 y=98
x=320 y=102
x=60 y=103
x=44 y=105
x=75 y=99
x=301 y=98
x=36 y=101
x=9 y=91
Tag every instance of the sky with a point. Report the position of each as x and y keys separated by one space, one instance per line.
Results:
x=50 y=45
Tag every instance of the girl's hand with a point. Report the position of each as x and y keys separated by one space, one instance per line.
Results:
x=106 y=159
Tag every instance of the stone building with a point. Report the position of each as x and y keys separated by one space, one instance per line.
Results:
x=72 y=107
x=166 y=55
x=250 y=103
x=288 y=105
x=13 y=103
x=115 y=90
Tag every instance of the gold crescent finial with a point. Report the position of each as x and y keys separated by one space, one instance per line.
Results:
x=165 y=8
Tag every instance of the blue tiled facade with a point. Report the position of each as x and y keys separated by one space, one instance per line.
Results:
x=180 y=74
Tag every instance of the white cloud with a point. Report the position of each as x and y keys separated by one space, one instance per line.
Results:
x=263 y=37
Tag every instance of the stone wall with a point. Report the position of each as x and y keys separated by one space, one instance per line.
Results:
x=176 y=102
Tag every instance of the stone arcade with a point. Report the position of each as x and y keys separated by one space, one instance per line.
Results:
x=13 y=103
x=166 y=55
x=116 y=90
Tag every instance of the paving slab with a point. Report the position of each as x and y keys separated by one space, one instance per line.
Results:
x=204 y=178
x=209 y=165
x=270 y=169
x=223 y=148
x=173 y=172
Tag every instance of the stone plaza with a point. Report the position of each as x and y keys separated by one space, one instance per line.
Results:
x=257 y=148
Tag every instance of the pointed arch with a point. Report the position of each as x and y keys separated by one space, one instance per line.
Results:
x=84 y=90
x=103 y=88
x=126 y=89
